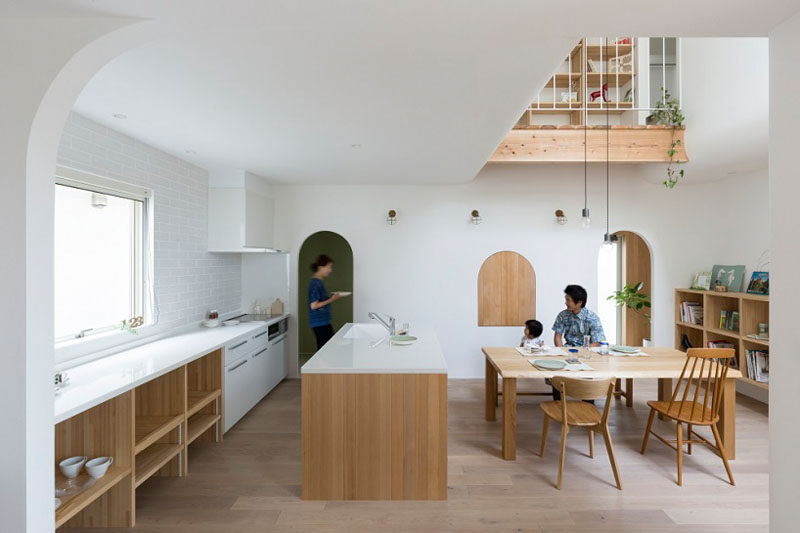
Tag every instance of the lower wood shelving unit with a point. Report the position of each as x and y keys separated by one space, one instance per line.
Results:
x=146 y=430
x=152 y=459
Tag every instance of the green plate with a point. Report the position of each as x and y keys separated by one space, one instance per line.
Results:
x=403 y=339
x=624 y=349
x=549 y=364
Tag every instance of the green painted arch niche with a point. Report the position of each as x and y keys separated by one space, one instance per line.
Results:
x=341 y=279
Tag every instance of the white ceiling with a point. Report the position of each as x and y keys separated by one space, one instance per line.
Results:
x=425 y=89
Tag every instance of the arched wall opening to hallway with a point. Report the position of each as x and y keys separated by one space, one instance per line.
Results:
x=341 y=279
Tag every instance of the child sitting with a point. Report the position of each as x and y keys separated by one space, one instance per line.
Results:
x=533 y=332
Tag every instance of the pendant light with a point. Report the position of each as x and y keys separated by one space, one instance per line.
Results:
x=586 y=221
x=608 y=238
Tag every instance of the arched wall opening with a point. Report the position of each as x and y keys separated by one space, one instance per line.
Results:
x=627 y=261
x=341 y=279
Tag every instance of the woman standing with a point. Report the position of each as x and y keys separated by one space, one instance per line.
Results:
x=319 y=311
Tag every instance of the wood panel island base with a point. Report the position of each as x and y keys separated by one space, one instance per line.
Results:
x=374 y=420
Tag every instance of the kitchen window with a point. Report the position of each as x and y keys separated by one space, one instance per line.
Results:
x=103 y=259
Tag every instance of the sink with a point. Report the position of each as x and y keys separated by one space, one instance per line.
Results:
x=366 y=331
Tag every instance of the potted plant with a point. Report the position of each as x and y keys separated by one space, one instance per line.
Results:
x=632 y=297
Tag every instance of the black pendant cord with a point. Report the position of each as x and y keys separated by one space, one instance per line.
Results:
x=607 y=155
x=585 y=160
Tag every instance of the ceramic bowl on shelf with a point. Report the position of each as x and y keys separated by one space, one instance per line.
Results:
x=98 y=466
x=71 y=466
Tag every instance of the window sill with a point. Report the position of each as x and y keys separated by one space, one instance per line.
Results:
x=73 y=352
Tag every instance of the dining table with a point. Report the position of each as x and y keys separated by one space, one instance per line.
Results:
x=664 y=364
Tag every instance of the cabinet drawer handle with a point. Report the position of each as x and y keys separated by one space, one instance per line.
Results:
x=259 y=353
x=237 y=345
x=237 y=366
x=260 y=334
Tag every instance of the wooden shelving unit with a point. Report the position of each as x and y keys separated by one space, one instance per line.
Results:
x=147 y=430
x=574 y=76
x=752 y=308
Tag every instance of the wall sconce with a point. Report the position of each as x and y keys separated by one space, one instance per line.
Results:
x=391 y=217
x=561 y=218
x=475 y=217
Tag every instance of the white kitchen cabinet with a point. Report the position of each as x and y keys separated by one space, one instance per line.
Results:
x=279 y=363
x=237 y=377
x=240 y=220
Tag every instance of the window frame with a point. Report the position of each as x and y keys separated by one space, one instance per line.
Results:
x=143 y=296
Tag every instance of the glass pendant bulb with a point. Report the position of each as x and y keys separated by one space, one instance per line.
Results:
x=586 y=221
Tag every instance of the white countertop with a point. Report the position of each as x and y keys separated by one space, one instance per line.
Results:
x=93 y=383
x=343 y=355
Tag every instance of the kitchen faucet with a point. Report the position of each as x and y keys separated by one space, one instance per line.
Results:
x=390 y=326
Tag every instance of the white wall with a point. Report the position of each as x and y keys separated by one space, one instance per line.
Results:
x=264 y=278
x=189 y=281
x=424 y=268
x=784 y=189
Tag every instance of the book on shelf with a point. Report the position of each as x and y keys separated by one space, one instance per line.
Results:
x=729 y=320
x=691 y=313
x=724 y=344
x=590 y=67
x=758 y=365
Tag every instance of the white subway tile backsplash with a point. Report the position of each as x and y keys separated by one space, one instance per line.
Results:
x=188 y=280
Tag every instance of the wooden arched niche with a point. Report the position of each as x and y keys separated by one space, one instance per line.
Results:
x=506 y=290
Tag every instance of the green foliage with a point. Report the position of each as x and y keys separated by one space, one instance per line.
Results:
x=631 y=297
x=668 y=113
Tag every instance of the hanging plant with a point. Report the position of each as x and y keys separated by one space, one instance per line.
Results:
x=668 y=113
x=631 y=297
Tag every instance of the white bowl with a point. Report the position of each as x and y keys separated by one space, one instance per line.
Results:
x=71 y=466
x=211 y=322
x=98 y=466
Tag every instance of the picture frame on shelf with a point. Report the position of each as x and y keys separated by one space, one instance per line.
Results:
x=759 y=283
x=729 y=276
x=702 y=281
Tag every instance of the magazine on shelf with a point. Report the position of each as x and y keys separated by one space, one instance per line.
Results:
x=724 y=344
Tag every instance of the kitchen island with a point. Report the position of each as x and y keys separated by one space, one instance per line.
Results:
x=374 y=418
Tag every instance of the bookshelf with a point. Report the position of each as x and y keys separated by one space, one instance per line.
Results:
x=589 y=65
x=752 y=310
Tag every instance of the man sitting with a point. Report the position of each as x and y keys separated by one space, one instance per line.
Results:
x=575 y=322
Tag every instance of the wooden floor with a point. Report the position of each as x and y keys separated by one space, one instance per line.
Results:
x=251 y=482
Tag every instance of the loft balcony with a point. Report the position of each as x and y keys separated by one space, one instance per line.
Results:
x=606 y=90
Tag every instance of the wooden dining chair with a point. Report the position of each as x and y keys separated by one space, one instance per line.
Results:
x=697 y=408
x=580 y=413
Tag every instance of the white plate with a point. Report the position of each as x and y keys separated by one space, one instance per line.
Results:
x=344 y=293
x=231 y=323
x=403 y=340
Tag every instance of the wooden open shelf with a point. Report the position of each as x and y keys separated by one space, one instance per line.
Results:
x=752 y=308
x=595 y=51
x=149 y=429
x=153 y=458
x=199 y=423
x=612 y=79
x=73 y=504
x=200 y=399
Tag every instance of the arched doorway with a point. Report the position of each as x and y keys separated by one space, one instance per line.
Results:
x=341 y=279
x=626 y=261
x=506 y=290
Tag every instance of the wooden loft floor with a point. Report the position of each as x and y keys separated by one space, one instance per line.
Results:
x=560 y=144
